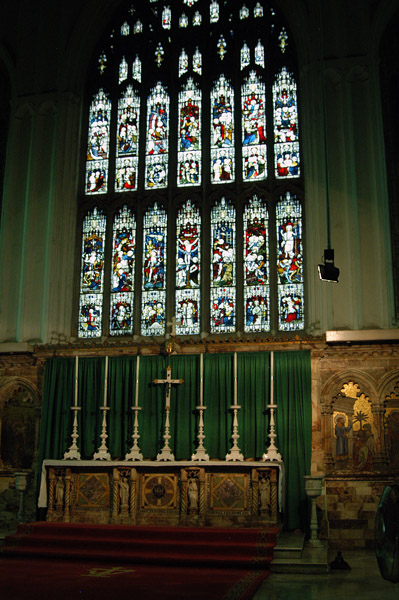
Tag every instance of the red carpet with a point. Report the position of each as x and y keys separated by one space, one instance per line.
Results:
x=92 y=562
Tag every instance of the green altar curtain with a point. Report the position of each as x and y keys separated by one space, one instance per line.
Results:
x=292 y=394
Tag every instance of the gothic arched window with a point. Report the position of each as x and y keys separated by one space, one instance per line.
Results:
x=191 y=206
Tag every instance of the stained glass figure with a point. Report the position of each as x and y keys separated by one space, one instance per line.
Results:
x=189 y=135
x=188 y=261
x=258 y=10
x=98 y=144
x=157 y=138
x=285 y=115
x=260 y=55
x=166 y=17
x=159 y=54
x=123 y=70
x=136 y=69
x=197 y=62
x=222 y=132
x=244 y=12
x=138 y=27
x=290 y=263
x=122 y=275
x=125 y=29
x=223 y=275
x=283 y=39
x=92 y=274
x=127 y=142
x=221 y=45
x=154 y=272
x=102 y=62
x=197 y=19
x=245 y=56
x=256 y=266
x=183 y=21
x=190 y=2
x=214 y=11
x=183 y=63
x=253 y=99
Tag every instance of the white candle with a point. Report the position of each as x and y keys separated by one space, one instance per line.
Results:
x=106 y=381
x=235 y=378
x=201 y=379
x=76 y=379
x=137 y=379
x=272 y=377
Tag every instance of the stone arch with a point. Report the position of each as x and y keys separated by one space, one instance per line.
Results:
x=20 y=404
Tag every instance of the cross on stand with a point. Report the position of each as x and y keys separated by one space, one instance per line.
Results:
x=166 y=453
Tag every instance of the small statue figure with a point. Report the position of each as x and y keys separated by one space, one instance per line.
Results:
x=124 y=492
x=263 y=494
x=193 y=493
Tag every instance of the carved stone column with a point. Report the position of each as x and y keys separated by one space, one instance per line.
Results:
x=133 y=496
x=68 y=495
x=326 y=428
x=51 y=490
x=115 y=496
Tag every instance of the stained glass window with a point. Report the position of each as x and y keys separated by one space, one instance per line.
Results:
x=256 y=267
x=152 y=61
x=136 y=69
x=166 y=17
x=189 y=148
x=222 y=132
x=214 y=12
x=98 y=144
x=123 y=70
x=253 y=99
x=153 y=296
x=126 y=172
x=285 y=115
x=156 y=175
x=122 y=274
x=223 y=267
x=245 y=56
x=188 y=265
x=183 y=63
x=197 y=62
x=260 y=55
x=92 y=275
x=290 y=263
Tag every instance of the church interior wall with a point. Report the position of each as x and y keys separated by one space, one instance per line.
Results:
x=46 y=48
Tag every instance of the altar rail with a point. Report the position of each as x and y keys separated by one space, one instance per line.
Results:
x=214 y=493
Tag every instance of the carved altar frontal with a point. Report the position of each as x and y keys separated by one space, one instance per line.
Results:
x=214 y=493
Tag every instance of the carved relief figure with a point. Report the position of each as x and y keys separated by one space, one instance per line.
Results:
x=124 y=492
x=59 y=491
x=193 y=493
x=264 y=494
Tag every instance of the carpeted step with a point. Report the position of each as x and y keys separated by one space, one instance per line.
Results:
x=238 y=548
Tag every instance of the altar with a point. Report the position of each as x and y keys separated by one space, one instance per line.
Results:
x=207 y=493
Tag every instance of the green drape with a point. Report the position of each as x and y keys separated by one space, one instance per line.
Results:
x=218 y=397
x=90 y=398
x=253 y=397
x=151 y=400
x=184 y=399
x=292 y=377
x=121 y=397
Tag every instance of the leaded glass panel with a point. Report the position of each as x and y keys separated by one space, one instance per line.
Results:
x=183 y=63
x=223 y=267
x=256 y=266
x=290 y=263
x=123 y=70
x=125 y=29
x=253 y=99
x=154 y=272
x=92 y=275
x=244 y=12
x=245 y=56
x=98 y=144
x=260 y=55
x=258 y=10
x=188 y=264
x=157 y=138
x=166 y=17
x=285 y=114
x=122 y=275
x=197 y=62
x=214 y=11
x=183 y=21
x=197 y=19
x=126 y=173
x=136 y=69
x=222 y=132
x=189 y=135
